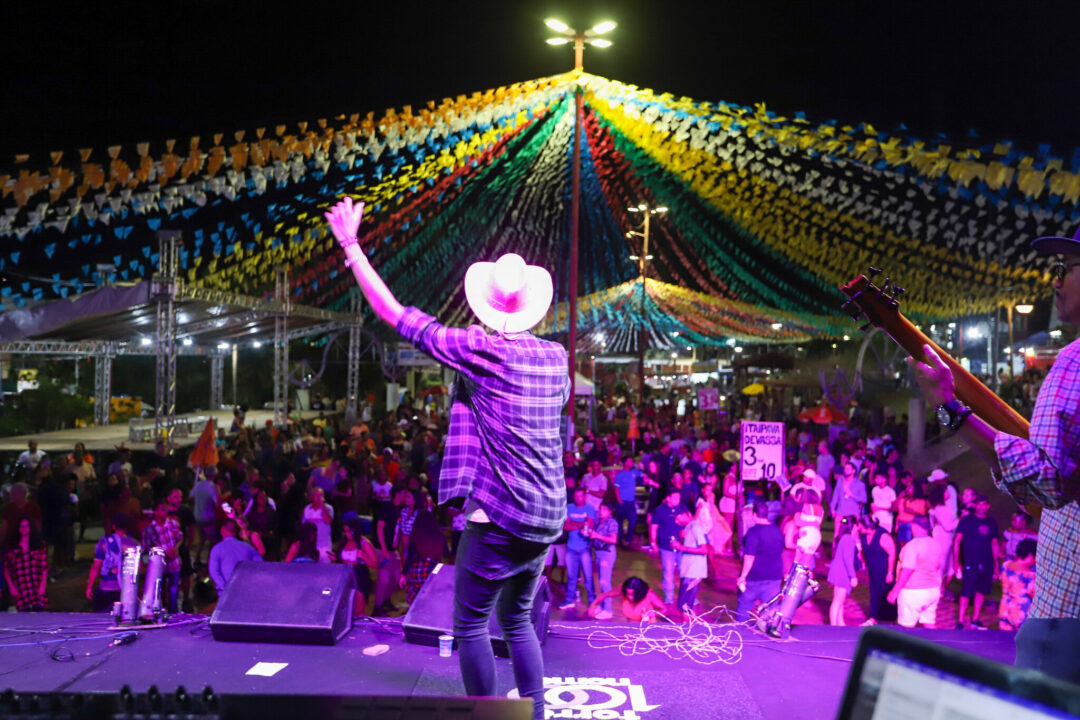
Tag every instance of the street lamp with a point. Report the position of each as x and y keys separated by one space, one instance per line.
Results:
x=646 y=211
x=1023 y=309
x=568 y=34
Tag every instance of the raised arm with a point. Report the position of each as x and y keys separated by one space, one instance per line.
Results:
x=344 y=219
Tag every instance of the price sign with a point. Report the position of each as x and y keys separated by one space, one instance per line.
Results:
x=761 y=451
x=708 y=399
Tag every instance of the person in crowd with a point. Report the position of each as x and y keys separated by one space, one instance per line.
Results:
x=878 y=552
x=917 y=590
x=719 y=535
x=579 y=518
x=603 y=537
x=1017 y=586
x=639 y=602
x=977 y=539
x=389 y=567
x=108 y=559
x=30 y=458
x=357 y=551
x=882 y=500
x=939 y=477
x=842 y=572
x=19 y=506
x=556 y=555
x=228 y=553
x=58 y=512
x=728 y=499
x=652 y=481
x=205 y=499
x=595 y=484
x=306 y=546
x=762 y=565
x=1016 y=533
x=412 y=504
x=261 y=519
x=626 y=485
x=26 y=566
x=693 y=551
x=910 y=504
x=164 y=532
x=943 y=520
x=849 y=496
x=426 y=547
x=667 y=522
x=321 y=515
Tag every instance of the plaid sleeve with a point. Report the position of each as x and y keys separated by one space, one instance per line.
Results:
x=1040 y=469
x=467 y=350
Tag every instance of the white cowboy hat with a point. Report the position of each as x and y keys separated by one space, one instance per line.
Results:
x=507 y=295
x=938 y=474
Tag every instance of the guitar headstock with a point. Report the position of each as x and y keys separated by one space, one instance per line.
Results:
x=880 y=306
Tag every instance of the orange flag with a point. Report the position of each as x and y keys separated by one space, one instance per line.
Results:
x=205 y=452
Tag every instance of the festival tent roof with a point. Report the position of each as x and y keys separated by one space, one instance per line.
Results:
x=767 y=214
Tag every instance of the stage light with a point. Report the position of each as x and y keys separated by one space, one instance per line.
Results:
x=145 y=341
x=633 y=209
x=662 y=209
x=952 y=326
x=973 y=333
x=187 y=341
x=1055 y=333
x=738 y=348
x=602 y=27
x=846 y=338
x=223 y=346
x=776 y=326
x=556 y=25
x=1024 y=309
x=256 y=344
x=600 y=43
x=557 y=41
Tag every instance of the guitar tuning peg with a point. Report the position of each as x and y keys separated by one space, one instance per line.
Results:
x=872 y=271
x=851 y=309
x=885 y=286
x=897 y=291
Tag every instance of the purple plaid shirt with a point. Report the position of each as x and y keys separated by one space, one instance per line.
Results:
x=1036 y=470
x=504 y=449
x=164 y=537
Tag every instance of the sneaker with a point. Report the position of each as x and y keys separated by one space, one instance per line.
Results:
x=977 y=625
x=603 y=615
x=959 y=626
x=568 y=605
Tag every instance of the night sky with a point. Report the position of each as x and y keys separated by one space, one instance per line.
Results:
x=96 y=74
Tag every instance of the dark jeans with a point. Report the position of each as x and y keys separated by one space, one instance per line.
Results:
x=763 y=590
x=626 y=512
x=496 y=571
x=1050 y=645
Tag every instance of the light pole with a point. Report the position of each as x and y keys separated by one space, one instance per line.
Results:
x=1023 y=309
x=567 y=35
x=643 y=267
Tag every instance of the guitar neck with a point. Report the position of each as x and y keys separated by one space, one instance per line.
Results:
x=988 y=406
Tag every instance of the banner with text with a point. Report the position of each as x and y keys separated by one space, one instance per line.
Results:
x=761 y=451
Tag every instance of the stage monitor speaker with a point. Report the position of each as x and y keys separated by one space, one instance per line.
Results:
x=432 y=613
x=296 y=603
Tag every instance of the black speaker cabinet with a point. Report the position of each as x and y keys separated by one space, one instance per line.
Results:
x=296 y=603
x=432 y=613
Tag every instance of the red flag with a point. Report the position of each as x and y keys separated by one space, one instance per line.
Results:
x=205 y=452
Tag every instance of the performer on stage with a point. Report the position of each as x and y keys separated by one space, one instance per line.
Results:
x=1043 y=470
x=503 y=452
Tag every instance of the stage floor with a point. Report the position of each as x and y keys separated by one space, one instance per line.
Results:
x=708 y=671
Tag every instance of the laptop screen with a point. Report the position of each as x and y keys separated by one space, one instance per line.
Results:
x=896 y=688
x=895 y=676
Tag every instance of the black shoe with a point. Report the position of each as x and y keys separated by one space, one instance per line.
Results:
x=977 y=625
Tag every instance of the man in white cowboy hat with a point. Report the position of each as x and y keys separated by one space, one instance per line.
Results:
x=1043 y=469
x=503 y=452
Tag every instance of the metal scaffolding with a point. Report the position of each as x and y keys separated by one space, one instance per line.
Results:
x=163 y=290
x=281 y=346
x=217 y=381
x=352 y=378
x=102 y=385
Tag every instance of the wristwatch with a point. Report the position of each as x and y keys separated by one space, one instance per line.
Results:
x=952 y=414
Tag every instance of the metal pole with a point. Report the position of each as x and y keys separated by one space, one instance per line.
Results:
x=102 y=387
x=579 y=111
x=217 y=381
x=281 y=349
x=164 y=291
x=643 y=336
x=1009 y=311
x=234 y=364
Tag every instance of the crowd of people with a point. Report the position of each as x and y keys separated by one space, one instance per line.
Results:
x=324 y=492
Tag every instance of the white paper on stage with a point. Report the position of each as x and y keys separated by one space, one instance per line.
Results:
x=266 y=669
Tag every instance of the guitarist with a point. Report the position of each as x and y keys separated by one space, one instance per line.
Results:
x=1043 y=470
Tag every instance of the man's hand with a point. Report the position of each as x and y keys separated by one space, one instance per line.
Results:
x=934 y=377
x=344 y=219
x=893 y=594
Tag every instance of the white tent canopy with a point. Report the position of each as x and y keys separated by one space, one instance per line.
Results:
x=582 y=385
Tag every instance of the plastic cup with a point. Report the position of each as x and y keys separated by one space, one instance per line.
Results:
x=446 y=645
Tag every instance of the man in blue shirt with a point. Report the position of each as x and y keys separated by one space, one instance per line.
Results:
x=668 y=519
x=578 y=556
x=503 y=451
x=626 y=484
x=227 y=554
